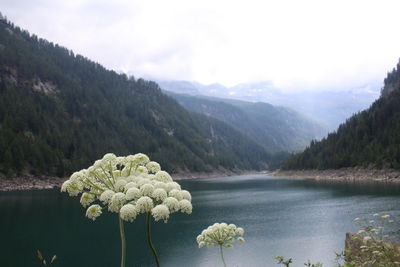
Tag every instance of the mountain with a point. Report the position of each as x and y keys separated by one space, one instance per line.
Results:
x=392 y=81
x=274 y=128
x=368 y=139
x=180 y=87
x=329 y=107
x=60 y=111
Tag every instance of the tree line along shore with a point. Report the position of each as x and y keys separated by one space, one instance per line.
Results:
x=344 y=174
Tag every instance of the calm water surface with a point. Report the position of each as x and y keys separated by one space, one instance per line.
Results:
x=302 y=219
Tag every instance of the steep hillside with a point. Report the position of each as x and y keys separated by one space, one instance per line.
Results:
x=392 y=81
x=275 y=128
x=234 y=149
x=370 y=138
x=60 y=111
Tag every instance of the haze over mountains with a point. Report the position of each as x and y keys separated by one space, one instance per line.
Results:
x=274 y=128
x=370 y=138
x=329 y=107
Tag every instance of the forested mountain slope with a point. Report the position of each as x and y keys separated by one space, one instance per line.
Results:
x=274 y=128
x=59 y=112
x=330 y=107
x=370 y=138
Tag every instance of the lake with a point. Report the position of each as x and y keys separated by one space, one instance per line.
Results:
x=298 y=218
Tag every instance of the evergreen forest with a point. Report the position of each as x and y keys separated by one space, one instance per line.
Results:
x=60 y=111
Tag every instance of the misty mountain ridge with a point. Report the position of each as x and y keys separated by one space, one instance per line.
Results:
x=329 y=107
x=368 y=139
x=274 y=128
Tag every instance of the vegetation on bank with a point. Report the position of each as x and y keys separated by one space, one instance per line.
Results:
x=60 y=111
x=368 y=139
x=371 y=246
x=344 y=174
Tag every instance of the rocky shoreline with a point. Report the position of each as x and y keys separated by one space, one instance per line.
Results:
x=46 y=182
x=344 y=174
x=30 y=183
x=214 y=174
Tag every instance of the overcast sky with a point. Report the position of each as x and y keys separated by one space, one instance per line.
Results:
x=295 y=44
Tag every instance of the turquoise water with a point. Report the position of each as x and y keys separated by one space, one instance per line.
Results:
x=302 y=219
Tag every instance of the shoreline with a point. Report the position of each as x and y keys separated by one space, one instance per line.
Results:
x=343 y=174
x=25 y=183
x=214 y=174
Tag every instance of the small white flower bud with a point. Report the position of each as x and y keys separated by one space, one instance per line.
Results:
x=153 y=167
x=240 y=239
x=186 y=195
x=140 y=159
x=65 y=186
x=142 y=169
x=172 y=203
x=163 y=176
x=87 y=199
x=128 y=213
x=129 y=185
x=93 y=212
x=146 y=189
x=239 y=231
x=119 y=185
x=144 y=204
x=185 y=206
x=116 y=202
x=159 y=194
x=133 y=193
x=176 y=194
x=106 y=196
x=160 y=212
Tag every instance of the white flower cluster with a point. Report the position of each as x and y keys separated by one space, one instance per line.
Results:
x=376 y=247
x=220 y=234
x=129 y=186
x=373 y=229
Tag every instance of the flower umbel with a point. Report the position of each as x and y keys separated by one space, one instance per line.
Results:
x=128 y=186
x=114 y=182
x=222 y=235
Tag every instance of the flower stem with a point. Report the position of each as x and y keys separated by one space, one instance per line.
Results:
x=123 y=241
x=222 y=255
x=149 y=239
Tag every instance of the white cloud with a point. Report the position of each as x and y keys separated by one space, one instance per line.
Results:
x=312 y=44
